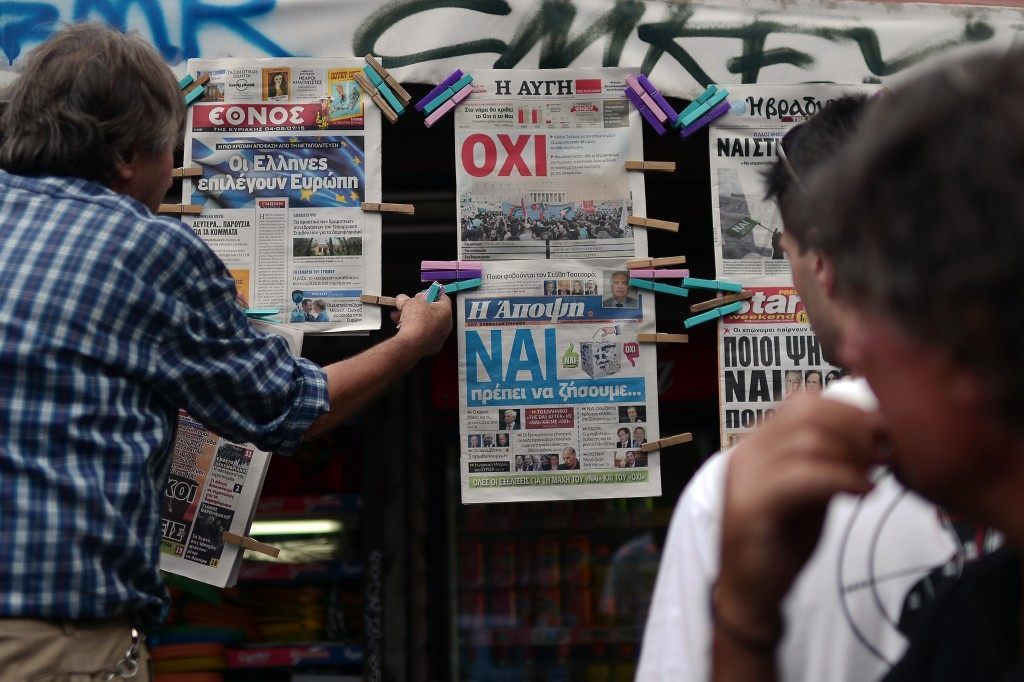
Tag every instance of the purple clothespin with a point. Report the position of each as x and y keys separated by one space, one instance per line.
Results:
x=439 y=88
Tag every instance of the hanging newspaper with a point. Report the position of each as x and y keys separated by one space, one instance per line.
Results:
x=743 y=146
x=556 y=395
x=766 y=353
x=288 y=152
x=213 y=486
x=539 y=164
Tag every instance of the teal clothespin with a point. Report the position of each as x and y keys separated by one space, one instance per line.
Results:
x=669 y=289
x=194 y=94
x=383 y=89
x=712 y=284
x=713 y=314
x=704 y=107
x=433 y=292
x=657 y=287
x=260 y=313
x=642 y=283
x=463 y=285
x=695 y=104
x=186 y=80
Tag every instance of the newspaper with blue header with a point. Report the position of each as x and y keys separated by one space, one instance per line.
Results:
x=557 y=397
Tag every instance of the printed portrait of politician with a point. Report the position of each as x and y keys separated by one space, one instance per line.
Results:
x=508 y=420
x=633 y=414
x=618 y=287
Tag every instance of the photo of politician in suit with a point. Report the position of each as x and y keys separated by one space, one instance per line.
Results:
x=508 y=420
x=619 y=286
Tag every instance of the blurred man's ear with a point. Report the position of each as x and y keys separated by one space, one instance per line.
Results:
x=824 y=272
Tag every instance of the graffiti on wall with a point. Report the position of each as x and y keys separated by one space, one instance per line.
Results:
x=686 y=44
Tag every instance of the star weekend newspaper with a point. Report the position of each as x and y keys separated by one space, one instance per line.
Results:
x=556 y=395
x=767 y=351
x=289 y=150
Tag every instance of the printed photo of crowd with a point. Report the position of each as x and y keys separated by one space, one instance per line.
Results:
x=526 y=221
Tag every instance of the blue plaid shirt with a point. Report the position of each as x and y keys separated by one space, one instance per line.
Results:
x=111 y=319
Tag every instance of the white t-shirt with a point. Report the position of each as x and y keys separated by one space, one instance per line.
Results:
x=842 y=610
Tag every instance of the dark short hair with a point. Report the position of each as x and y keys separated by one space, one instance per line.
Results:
x=88 y=97
x=808 y=146
x=927 y=225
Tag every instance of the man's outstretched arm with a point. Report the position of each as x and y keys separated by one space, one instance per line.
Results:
x=355 y=382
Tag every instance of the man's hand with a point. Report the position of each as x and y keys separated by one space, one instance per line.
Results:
x=778 y=485
x=424 y=326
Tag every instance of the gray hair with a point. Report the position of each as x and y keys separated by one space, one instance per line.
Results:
x=89 y=97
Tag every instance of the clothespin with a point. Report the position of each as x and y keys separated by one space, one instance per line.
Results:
x=655 y=95
x=708 y=93
x=662 y=338
x=193 y=88
x=463 y=285
x=660 y=166
x=377 y=98
x=260 y=313
x=248 y=543
x=383 y=89
x=371 y=207
x=657 y=287
x=389 y=79
x=721 y=110
x=180 y=209
x=653 y=119
x=186 y=172
x=452 y=78
x=652 y=223
x=665 y=442
x=720 y=301
x=431 y=270
x=655 y=262
x=385 y=301
x=434 y=292
x=712 y=314
x=462 y=94
x=712 y=284
x=660 y=274
x=704 y=107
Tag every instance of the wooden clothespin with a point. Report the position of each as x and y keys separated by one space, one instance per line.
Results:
x=186 y=172
x=655 y=262
x=407 y=209
x=386 y=301
x=652 y=223
x=720 y=301
x=665 y=442
x=399 y=91
x=662 y=338
x=248 y=543
x=660 y=166
x=377 y=98
x=180 y=209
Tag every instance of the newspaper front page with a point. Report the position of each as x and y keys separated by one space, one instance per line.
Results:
x=556 y=394
x=289 y=151
x=213 y=487
x=539 y=163
x=766 y=354
x=742 y=147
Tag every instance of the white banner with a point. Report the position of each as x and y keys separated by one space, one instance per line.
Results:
x=682 y=46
